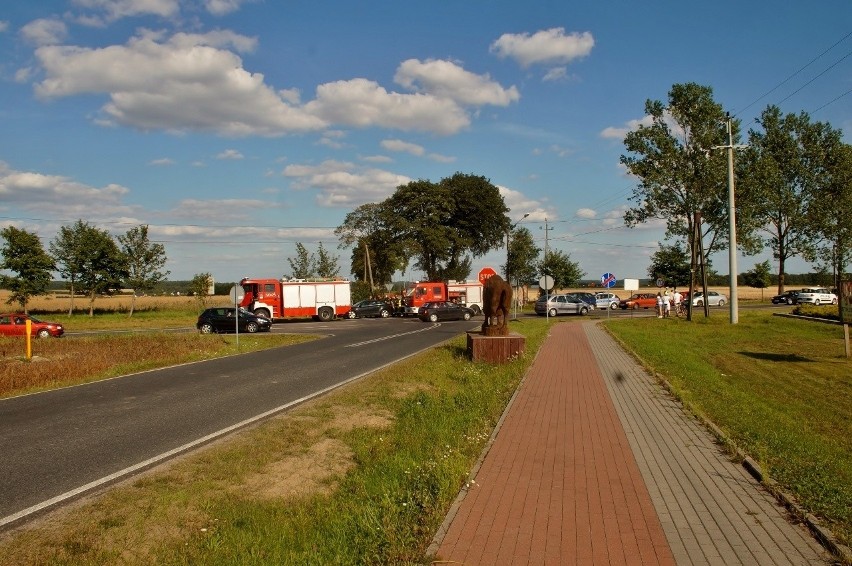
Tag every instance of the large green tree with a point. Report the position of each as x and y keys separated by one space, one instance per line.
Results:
x=558 y=264
x=829 y=201
x=774 y=182
x=24 y=256
x=672 y=264
x=522 y=258
x=680 y=168
x=69 y=253
x=444 y=225
x=375 y=255
x=145 y=261
x=326 y=264
x=303 y=266
x=103 y=269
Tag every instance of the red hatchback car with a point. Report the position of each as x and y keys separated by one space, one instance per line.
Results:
x=14 y=324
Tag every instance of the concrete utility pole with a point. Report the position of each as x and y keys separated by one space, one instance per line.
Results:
x=732 y=224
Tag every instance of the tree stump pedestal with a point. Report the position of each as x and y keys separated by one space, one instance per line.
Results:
x=495 y=349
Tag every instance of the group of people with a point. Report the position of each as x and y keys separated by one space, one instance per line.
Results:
x=668 y=300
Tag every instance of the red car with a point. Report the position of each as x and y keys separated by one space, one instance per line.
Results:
x=639 y=301
x=14 y=324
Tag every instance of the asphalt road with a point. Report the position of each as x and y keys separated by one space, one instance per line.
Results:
x=60 y=444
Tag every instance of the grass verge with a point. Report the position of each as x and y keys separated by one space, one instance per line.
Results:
x=780 y=389
x=365 y=474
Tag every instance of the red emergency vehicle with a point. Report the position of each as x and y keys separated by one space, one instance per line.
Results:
x=273 y=298
x=467 y=293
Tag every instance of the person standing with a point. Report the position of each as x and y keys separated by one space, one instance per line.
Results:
x=667 y=304
x=659 y=305
x=678 y=299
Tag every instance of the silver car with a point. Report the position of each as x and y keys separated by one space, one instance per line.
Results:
x=714 y=299
x=607 y=300
x=560 y=304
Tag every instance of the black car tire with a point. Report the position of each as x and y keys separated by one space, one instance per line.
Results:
x=552 y=312
x=206 y=328
x=352 y=314
x=816 y=302
x=721 y=302
x=325 y=314
x=699 y=304
x=584 y=311
x=43 y=333
x=789 y=301
x=433 y=317
x=263 y=312
x=833 y=301
x=613 y=306
x=384 y=313
x=466 y=315
x=251 y=327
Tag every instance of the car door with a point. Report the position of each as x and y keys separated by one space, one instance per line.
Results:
x=223 y=320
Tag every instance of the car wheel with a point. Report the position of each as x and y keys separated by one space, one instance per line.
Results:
x=466 y=316
x=251 y=327
x=789 y=301
x=263 y=312
x=816 y=302
x=584 y=311
x=613 y=306
x=206 y=328
x=699 y=303
x=351 y=314
x=635 y=306
x=44 y=333
x=833 y=301
x=476 y=310
x=721 y=302
x=552 y=312
x=325 y=314
x=384 y=313
x=433 y=317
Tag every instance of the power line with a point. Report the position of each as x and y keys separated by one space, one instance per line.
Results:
x=785 y=81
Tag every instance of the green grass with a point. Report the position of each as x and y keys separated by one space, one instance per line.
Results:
x=780 y=388
x=364 y=475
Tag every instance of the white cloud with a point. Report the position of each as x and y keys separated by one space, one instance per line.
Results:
x=586 y=213
x=186 y=83
x=230 y=154
x=551 y=47
x=619 y=132
x=106 y=11
x=223 y=7
x=4 y=25
x=437 y=157
x=555 y=74
x=344 y=184
x=219 y=210
x=45 y=32
x=403 y=147
x=363 y=103
x=446 y=79
x=164 y=161
x=520 y=204
x=56 y=195
x=377 y=159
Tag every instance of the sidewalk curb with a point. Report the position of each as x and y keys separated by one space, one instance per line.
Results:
x=825 y=537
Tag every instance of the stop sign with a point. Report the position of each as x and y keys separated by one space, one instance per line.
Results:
x=485 y=274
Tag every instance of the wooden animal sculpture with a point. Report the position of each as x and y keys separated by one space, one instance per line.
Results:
x=496 y=302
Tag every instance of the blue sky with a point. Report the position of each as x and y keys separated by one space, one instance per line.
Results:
x=237 y=128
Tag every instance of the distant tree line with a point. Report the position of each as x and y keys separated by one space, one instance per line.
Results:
x=89 y=259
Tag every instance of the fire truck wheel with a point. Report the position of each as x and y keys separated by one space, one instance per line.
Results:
x=476 y=310
x=325 y=314
x=251 y=327
x=262 y=312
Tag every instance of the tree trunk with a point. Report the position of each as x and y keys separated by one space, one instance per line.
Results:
x=92 y=304
x=132 y=304
x=780 y=273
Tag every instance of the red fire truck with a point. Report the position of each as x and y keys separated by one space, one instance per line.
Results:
x=322 y=300
x=467 y=293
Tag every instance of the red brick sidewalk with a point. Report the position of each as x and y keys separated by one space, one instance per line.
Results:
x=560 y=484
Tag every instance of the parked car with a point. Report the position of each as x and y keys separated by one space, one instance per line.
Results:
x=714 y=299
x=786 y=298
x=15 y=324
x=607 y=300
x=588 y=298
x=639 y=301
x=816 y=296
x=370 y=308
x=434 y=312
x=221 y=319
x=554 y=305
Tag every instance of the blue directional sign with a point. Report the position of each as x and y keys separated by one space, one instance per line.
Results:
x=608 y=280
